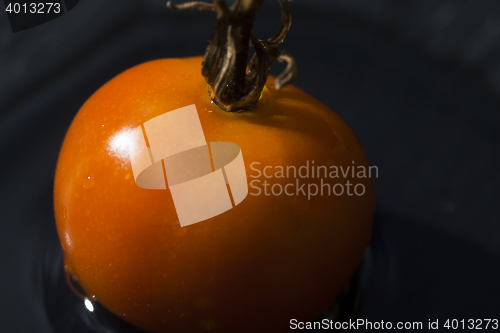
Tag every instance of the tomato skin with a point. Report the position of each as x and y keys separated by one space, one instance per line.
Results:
x=253 y=268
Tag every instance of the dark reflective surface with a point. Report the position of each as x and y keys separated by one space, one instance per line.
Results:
x=420 y=273
x=68 y=312
x=409 y=273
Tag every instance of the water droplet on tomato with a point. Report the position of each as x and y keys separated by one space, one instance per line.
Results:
x=89 y=182
x=75 y=287
x=88 y=304
x=64 y=212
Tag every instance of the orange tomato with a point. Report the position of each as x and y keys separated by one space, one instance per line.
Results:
x=270 y=259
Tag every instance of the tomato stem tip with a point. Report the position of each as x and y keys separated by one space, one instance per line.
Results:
x=231 y=86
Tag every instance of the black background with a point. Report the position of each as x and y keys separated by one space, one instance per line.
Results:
x=418 y=81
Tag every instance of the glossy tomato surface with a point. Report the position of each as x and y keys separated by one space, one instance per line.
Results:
x=270 y=259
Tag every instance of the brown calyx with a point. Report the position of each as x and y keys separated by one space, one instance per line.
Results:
x=231 y=86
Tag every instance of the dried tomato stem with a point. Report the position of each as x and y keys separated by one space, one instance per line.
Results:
x=225 y=63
